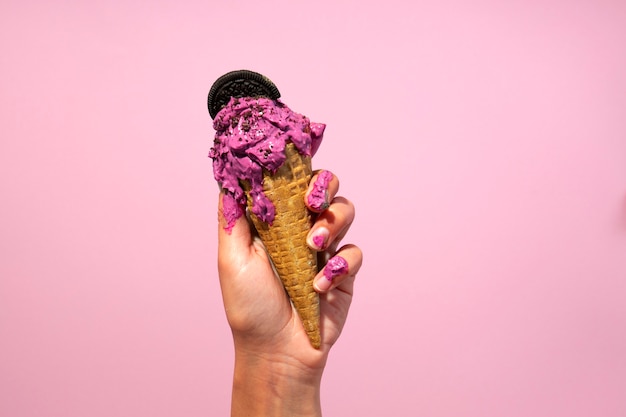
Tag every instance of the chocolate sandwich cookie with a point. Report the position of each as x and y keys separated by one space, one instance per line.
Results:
x=240 y=83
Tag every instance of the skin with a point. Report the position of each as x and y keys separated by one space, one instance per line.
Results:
x=277 y=372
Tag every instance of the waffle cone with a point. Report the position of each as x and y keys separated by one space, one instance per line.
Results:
x=285 y=239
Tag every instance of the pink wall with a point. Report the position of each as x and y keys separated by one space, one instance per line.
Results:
x=484 y=147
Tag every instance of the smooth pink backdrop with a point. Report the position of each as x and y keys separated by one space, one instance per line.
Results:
x=483 y=144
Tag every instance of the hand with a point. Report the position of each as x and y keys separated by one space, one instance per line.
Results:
x=270 y=342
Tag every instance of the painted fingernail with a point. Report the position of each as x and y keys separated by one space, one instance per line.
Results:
x=319 y=239
x=318 y=198
x=335 y=267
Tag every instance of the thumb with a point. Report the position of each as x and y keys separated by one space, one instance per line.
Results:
x=234 y=235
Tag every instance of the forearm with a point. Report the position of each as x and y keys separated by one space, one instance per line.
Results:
x=266 y=386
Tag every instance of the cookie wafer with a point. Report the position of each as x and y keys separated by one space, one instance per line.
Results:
x=240 y=83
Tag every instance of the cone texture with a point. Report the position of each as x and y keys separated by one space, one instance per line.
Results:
x=285 y=239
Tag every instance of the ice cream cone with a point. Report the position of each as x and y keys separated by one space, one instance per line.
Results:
x=285 y=238
x=262 y=156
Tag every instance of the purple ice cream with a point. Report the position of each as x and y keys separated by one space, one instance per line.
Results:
x=318 y=198
x=336 y=266
x=251 y=135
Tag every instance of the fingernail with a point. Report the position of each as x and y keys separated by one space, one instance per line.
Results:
x=319 y=238
x=318 y=198
x=335 y=267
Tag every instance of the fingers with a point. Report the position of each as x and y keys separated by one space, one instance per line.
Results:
x=336 y=214
x=340 y=270
x=331 y=225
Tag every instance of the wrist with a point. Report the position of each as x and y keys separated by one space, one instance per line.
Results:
x=274 y=384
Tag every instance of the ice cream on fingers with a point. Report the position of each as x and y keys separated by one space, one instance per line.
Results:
x=262 y=159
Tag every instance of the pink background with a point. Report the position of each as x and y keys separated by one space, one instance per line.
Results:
x=484 y=146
